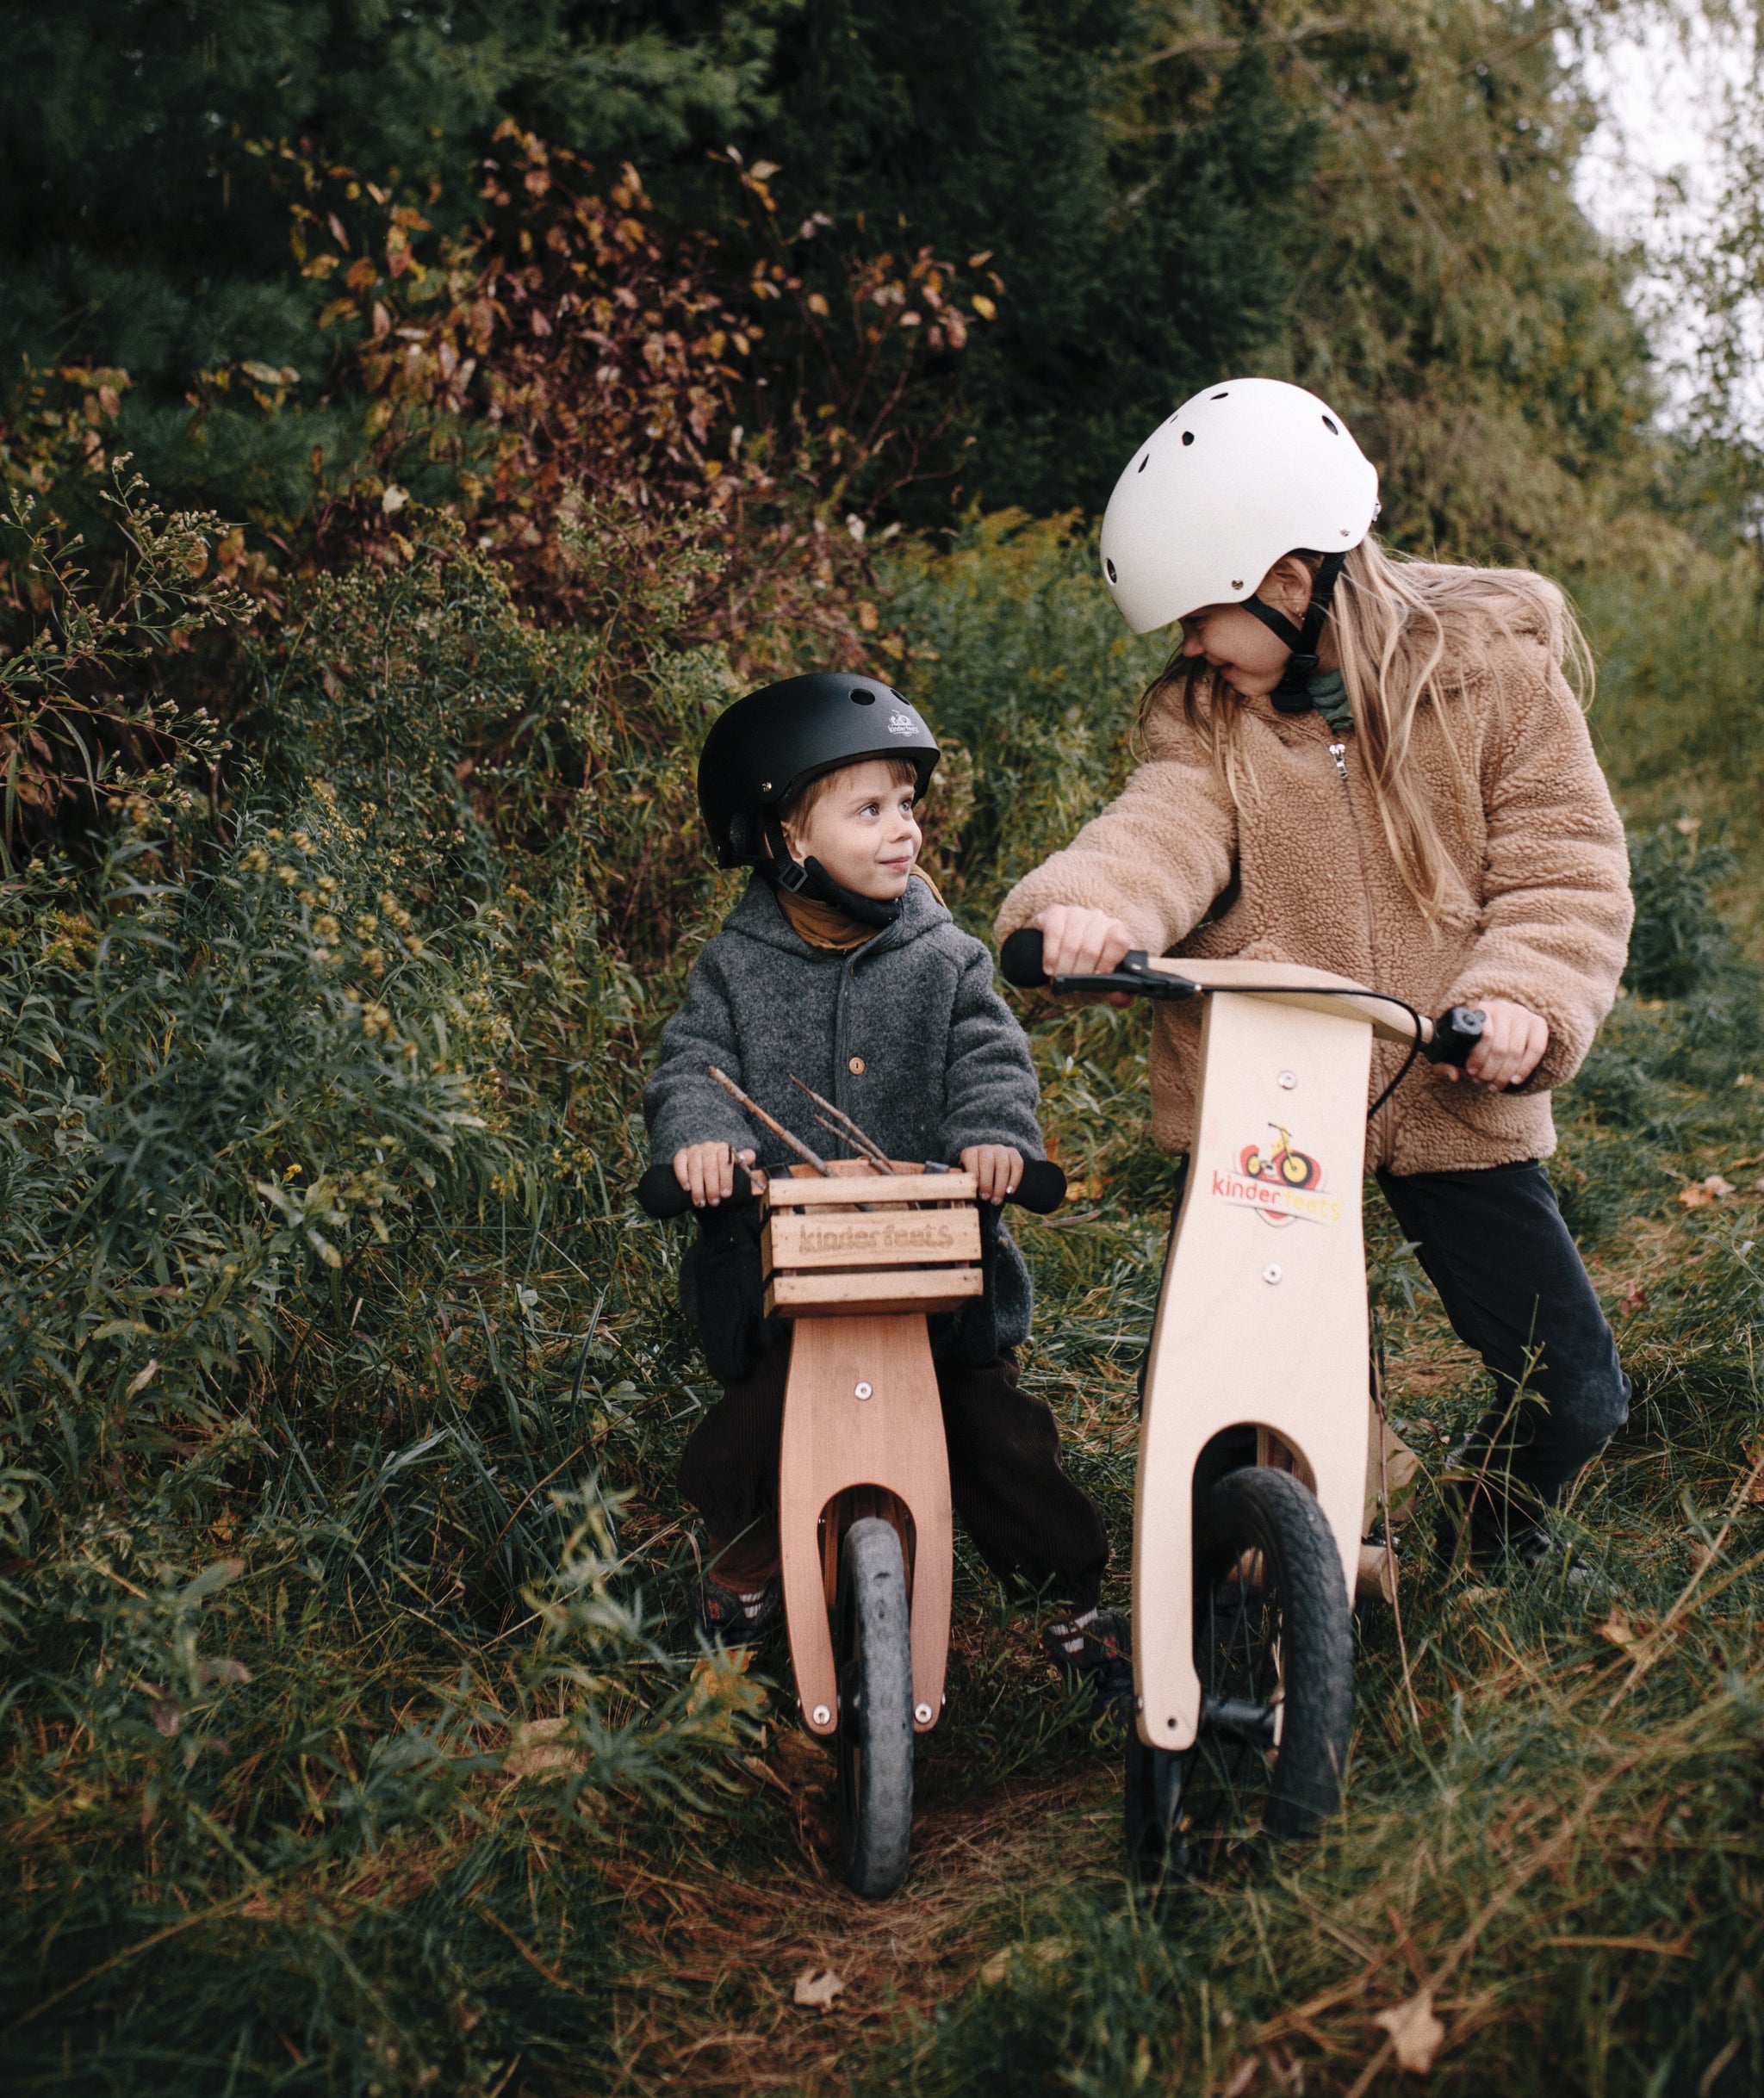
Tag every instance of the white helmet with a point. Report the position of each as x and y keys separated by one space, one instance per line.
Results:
x=1240 y=474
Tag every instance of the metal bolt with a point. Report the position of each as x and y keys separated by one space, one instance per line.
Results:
x=1288 y=1079
x=867 y=1391
x=1271 y=1272
x=922 y=1714
x=820 y=1715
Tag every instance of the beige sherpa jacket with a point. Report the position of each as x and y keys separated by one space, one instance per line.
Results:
x=1301 y=871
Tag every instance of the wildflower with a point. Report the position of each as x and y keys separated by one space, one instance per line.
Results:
x=255 y=861
x=374 y=960
x=324 y=927
x=366 y=926
x=288 y=875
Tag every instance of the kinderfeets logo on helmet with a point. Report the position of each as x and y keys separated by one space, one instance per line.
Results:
x=903 y=724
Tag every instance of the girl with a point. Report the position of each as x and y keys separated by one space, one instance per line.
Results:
x=1378 y=767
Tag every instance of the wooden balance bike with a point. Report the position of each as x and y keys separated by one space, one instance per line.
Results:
x=1254 y=1430
x=857 y=1258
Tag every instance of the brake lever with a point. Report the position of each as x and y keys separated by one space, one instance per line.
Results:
x=1135 y=978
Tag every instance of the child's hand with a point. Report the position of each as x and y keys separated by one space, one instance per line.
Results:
x=706 y=1171
x=1513 y=1040
x=1078 y=942
x=997 y=1170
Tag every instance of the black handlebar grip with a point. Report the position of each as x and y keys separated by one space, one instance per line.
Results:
x=1456 y=1034
x=660 y=1195
x=1042 y=1187
x=1020 y=959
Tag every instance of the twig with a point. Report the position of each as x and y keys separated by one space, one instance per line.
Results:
x=128 y=1952
x=1657 y=1643
x=766 y=1121
x=842 y=1125
x=1545 y=1854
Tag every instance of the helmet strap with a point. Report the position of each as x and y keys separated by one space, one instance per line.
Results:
x=1293 y=693
x=808 y=878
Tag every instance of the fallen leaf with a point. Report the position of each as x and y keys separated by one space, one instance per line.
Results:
x=1242 y=2076
x=1634 y=1299
x=1754 y=1489
x=1703 y=1192
x=1623 y=1630
x=1416 y=2035
x=816 y=1991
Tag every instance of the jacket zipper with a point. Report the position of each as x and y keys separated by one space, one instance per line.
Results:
x=1337 y=752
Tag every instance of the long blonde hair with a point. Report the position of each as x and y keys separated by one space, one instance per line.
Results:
x=1408 y=634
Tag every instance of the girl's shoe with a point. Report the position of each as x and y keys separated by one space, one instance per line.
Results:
x=1096 y=1647
x=738 y=1617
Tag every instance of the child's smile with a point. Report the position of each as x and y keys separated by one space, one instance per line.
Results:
x=862 y=830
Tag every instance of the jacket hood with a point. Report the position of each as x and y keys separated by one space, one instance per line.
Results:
x=759 y=916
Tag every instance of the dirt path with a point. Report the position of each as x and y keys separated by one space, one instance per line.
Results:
x=708 y=2000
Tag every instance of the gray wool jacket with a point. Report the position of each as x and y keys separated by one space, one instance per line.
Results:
x=905 y=1034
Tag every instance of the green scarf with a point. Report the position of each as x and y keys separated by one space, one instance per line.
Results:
x=1329 y=696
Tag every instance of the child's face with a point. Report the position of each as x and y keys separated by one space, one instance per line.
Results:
x=1250 y=660
x=861 y=830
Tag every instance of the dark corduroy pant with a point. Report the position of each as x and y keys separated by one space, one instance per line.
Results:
x=1030 y=1523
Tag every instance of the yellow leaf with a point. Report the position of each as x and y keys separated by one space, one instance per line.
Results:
x=1416 y=2035
x=866 y=618
x=983 y=306
x=817 y=303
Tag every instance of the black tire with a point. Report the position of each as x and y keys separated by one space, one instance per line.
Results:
x=1272 y=1635
x=873 y=1648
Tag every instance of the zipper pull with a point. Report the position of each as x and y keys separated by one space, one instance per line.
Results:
x=1339 y=752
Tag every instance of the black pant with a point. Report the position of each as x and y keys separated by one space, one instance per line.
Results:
x=1493 y=1244
x=1029 y=1522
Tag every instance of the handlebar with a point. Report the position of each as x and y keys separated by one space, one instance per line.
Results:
x=1449 y=1040
x=1040 y=1190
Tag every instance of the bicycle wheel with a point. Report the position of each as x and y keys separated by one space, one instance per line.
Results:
x=873 y=1649
x=1274 y=1650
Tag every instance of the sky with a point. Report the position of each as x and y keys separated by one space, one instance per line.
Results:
x=1654 y=168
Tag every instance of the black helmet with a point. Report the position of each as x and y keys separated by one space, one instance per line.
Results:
x=782 y=735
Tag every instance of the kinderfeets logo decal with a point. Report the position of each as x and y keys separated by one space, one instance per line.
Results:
x=902 y=724
x=1282 y=1183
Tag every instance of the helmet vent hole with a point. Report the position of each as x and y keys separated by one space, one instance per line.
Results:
x=1109 y=568
x=1237 y=582
x=1332 y=425
x=1188 y=437
x=861 y=697
x=1226 y=395
x=1143 y=463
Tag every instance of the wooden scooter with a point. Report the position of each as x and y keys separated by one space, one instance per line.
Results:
x=857 y=1260
x=1253 y=1437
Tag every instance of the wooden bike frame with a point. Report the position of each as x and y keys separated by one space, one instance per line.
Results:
x=1262 y=1317
x=863 y=1425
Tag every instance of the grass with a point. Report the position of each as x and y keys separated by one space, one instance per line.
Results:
x=354 y=1738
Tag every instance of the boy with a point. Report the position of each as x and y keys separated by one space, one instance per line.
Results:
x=841 y=966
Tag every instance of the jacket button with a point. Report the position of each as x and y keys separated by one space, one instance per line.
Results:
x=856 y=1067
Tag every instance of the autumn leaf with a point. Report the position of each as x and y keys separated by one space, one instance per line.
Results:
x=816 y=1991
x=1703 y=1192
x=1622 y=1630
x=1416 y=2035
x=1634 y=1299
x=984 y=306
x=1754 y=1481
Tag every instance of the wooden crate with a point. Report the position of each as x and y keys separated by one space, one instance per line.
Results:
x=905 y=1243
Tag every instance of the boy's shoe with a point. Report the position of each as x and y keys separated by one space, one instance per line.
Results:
x=739 y=1617
x=1096 y=1647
